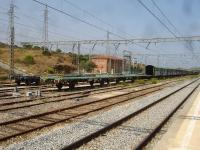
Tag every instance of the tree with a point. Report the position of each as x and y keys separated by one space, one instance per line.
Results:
x=58 y=51
x=36 y=48
x=88 y=66
x=27 y=46
x=64 y=68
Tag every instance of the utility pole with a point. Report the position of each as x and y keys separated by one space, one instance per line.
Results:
x=45 y=30
x=78 y=58
x=145 y=59
x=108 y=51
x=12 y=38
x=123 y=62
x=158 y=60
x=115 y=56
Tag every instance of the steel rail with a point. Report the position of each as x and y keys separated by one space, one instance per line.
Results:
x=55 y=121
x=79 y=95
x=108 y=127
x=148 y=139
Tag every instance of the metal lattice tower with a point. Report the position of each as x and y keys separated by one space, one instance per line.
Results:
x=12 y=38
x=45 y=30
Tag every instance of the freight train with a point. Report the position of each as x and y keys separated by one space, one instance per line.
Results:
x=159 y=72
x=72 y=80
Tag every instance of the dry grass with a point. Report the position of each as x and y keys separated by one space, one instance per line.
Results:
x=42 y=62
x=3 y=72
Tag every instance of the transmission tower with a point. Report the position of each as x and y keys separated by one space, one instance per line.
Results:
x=45 y=30
x=11 y=38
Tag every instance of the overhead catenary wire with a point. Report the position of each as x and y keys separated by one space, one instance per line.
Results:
x=81 y=20
x=165 y=16
x=97 y=18
x=87 y=12
x=157 y=18
x=154 y=15
x=36 y=29
x=71 y=16
x=54 y=26
x=75 y=18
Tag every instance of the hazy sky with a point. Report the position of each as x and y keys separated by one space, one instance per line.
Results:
x=127 y=18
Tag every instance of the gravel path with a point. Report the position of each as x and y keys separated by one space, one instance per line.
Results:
x=73 y=131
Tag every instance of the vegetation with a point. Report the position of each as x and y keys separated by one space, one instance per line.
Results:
x=154 y=81
x=46 y=52
x=38 y=63
x=3 y=74
x=3 y=77
x=50 y=70
x=64 y=68
x=58 y=51
x=124 y=84
x=37 y=48
x=3 y=45
x=141 y=81
x=88 y=66
x=27 y=46
x=29 y=60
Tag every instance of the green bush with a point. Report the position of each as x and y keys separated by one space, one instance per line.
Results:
x=124 y=83
x=50 y=70
x=2 y=78
x=58 y=51
x=88 y=65
x=36 y=48
x=3 y=45
x=29 y=60
x=27 y=46
x=154 y=80
x=141 y=81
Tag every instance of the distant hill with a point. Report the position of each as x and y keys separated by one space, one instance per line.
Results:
x=33 y=59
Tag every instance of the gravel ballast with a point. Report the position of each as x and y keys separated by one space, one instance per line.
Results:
x=73 y=131
x=131 y=133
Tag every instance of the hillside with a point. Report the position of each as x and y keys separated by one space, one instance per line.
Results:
x=3 y=72
x=33 y=60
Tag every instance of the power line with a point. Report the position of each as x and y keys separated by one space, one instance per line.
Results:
x=191 y=47
x=87 y=12
x=76 y=18
x=93 y=16
x=165 y=16
x=154 y=15
x=73 y=17
x=81 y=20
x=90 y=14
x=53 y=26
x=36 y=29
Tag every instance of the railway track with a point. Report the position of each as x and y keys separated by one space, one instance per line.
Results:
x=70 y=95
x=7 y=105
x=6 y=93
x=44 y=88
x=115 y=124
x=23 y=125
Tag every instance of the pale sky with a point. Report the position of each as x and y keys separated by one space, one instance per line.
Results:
x=126 y=18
